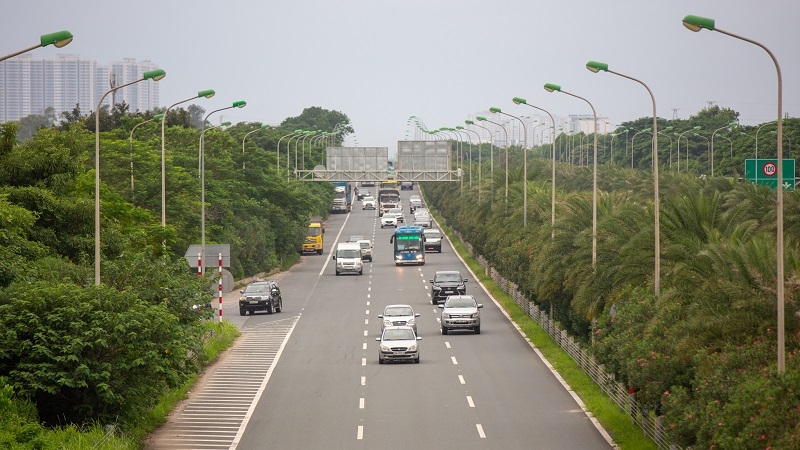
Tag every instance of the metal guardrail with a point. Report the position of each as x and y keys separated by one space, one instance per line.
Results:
x=617 y=392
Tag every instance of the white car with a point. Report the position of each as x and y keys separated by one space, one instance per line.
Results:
x=368 y=203
x=398 y=214
x=388 y=220
x=398 y=344
x=366 y=249
x=399 y=316
x=423 y=219
x=461 y=312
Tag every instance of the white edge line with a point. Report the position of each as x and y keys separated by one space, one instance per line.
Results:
x=561 y=380
x=261 y=388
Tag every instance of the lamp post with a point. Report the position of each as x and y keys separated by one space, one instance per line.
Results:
x=208 y=93
x=58 y=39
x=732 y=124
x=758 y=131
x=156 y=117
x=633 y=140
x=245 y=138
x=154 y=75
x=466 y=131
x=278 y=153
x=522 y=101
x=691 y=130
x=549 y=87
x=203 y=192
x=663 y=133
x=296 y=135
x=480 y=156
x=484 y=119
x=696 y=23
x=595 y=67
x=524 y=165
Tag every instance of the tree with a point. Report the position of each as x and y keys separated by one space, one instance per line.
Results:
x=71 y=117
x=316 y=118
x=28 y=125
x=196 y=114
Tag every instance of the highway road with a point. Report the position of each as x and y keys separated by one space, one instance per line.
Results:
x=309 y=378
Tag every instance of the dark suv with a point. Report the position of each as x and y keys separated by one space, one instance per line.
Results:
x=446 y=283
x=260 y=296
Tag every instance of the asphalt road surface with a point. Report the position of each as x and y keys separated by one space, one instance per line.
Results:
x=308 y=377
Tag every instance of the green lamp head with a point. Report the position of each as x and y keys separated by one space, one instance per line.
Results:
x=550 y=87
x=697 y=23
x=158 y=117
x=154 y=75
x=595 y=66
x=518 y=100
x=469 y=122
x=495 y=110
x=208 y=93
x=225 y=124
x=481 y=118
x=239 y=104
x=58 y=39
x=459 y=127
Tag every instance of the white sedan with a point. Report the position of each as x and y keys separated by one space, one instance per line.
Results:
x=368 y=203
x=388 y=220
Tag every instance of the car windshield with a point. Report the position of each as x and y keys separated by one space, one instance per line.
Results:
x=432 y=235
x=388 y=215
x=355 y=253
x=369 y=199
x=398 y=311
x=448 y=277
x=256 y=288
x=404 y=334
x=356 y=238
x=364 y=244
x=459 y=303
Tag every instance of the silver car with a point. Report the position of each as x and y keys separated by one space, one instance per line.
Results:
x=397 y=316
x=398 y=344
x=398 y=214
x=388 y=220
x=461 y=312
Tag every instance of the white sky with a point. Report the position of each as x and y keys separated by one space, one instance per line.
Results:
x=380 y=62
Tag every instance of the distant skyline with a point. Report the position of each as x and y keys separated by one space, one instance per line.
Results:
x=441 y=60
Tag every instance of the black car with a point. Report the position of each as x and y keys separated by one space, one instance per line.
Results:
x=260 y=296
x=446 y=283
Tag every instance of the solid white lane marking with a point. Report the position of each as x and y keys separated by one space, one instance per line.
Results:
x=453 y=358
x=360 y=434
x=461 y=379
x=363 y=381
x=361 y=403
x=480 y=431
x=363 y=361
x=470 y=402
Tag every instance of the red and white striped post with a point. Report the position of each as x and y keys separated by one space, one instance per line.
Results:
x=199 y=265
x=220 y=287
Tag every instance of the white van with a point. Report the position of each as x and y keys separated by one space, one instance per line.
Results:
x=348 y=258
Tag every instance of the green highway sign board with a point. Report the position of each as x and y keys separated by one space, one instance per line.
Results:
x=765 y=171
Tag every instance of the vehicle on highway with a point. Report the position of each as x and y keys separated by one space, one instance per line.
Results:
x=446 y=283
x=313 y=241
x=388 y=220
x=355 y=238
x=399 y=316
x=433 y=240
x=398 y=344
x=398 y=214
x=461 y=312
x=414 y=204
x=362 y=193
x=407 y=245
x=260 y=296
x=368 y=203
x=406 y=185
x=423 y=219
x=348 y=258
x=366 y=249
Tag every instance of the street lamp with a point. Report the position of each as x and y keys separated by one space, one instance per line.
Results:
x=245 y=138
x=595 y=67
x=154 y=75
x=633 y=140
x=480 y=156
x=696 y=23
x=663 y=133
x=549 y=87
x=58 y=39
x=687 y=147
x=522 y=101
x=732 y=124
x=464 y=130
x=484 y=119
x=708 y=144
x=156 y=117
x=524 y=165
x=278 y=152
x=208 y=93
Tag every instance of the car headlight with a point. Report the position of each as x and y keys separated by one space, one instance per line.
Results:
x=419 y=257
x=412 y=347
x=474 y=315
x=387 y=322
x=385 y=348
x=411 y=321
x=398 y=256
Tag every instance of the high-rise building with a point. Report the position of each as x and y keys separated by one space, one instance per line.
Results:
x=29 y=85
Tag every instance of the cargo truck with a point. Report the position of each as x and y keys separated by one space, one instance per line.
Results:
x=343 y=197
x=388 y=199
x=313 y=242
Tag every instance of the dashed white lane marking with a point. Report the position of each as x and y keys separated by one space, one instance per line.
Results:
x=363 y=361
x=480 y=431
x=367 y=303
x=361 y=403
x=367 y=312
x=366 y=321
x=447 y=344
x=453 y=358
x=470 y=402
x=360 y=434
x=365 y=332
x=364 y=347
x=363 y=381
x=461 y=379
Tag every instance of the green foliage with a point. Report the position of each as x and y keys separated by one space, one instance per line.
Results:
x=90 y=353
x=316 y=118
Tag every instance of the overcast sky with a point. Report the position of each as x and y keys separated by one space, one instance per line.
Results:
x=380 y=62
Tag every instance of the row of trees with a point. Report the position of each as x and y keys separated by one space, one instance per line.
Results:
x=703 y=353
x=83 y=353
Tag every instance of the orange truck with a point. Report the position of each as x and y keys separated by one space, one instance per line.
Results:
x=313 y=242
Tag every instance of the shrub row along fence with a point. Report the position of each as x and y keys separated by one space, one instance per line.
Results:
x=649 y=422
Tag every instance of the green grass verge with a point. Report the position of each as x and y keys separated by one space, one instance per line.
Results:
x=615 y=421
